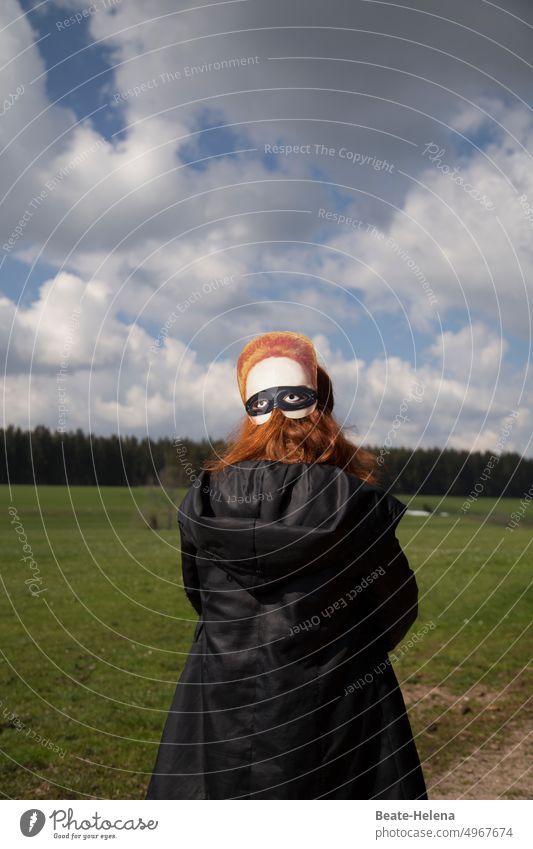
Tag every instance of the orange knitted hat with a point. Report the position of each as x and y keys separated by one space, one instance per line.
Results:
x=277 y=343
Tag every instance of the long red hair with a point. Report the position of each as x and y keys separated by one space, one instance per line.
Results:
x=316 y=438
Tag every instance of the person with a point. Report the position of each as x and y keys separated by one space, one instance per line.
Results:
x=291 y=560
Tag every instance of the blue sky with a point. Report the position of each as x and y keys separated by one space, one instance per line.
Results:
x=438 y=292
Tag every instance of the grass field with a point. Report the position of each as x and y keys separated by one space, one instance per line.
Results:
x=88 y=667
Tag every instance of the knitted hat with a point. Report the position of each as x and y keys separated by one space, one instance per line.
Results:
x=277 y=343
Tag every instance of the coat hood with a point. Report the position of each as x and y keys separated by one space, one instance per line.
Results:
x=268 y=520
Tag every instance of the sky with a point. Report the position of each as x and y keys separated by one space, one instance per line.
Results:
x=177 y=178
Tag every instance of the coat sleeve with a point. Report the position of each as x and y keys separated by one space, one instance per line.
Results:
x=189 y=570
x=394 y=594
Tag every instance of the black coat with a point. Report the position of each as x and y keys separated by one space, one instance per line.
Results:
x=288 y=693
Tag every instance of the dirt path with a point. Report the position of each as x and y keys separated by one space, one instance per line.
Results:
x=475 y=746
x=491 y=773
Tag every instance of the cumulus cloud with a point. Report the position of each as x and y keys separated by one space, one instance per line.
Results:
x=368 y=215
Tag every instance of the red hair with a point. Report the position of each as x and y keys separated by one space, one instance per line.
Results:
x=316 y=438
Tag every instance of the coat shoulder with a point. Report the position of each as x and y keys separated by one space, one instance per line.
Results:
x=388 y=510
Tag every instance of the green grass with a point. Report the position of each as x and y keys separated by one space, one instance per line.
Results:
x=91 y=665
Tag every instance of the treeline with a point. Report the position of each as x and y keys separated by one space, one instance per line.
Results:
x=49 y=457
x=78 y=458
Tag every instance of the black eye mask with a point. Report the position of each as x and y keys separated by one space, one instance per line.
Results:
x=283 y=397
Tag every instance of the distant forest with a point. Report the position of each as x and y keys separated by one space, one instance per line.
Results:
x=50 y=457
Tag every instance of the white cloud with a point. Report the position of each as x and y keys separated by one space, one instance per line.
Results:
x=125 y=204
x=116 y=378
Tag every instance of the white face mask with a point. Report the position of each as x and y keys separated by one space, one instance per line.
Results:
x=280 y=382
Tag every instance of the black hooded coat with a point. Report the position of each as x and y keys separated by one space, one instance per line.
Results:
x=288 y=692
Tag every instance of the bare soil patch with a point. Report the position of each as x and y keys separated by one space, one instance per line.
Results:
x=478 y=745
